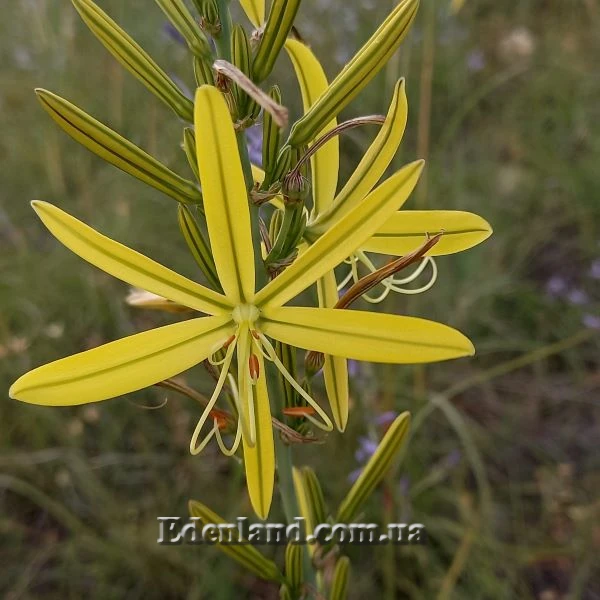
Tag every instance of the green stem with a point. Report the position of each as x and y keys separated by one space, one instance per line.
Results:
x=223 y=40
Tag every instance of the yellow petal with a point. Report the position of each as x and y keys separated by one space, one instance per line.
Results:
x=325 y=162
x=127 y=264
x=335 y=369
x=255 y=9
x=373 y=164
x=343 y=238
x=124 y=366
x=364 y=335
x=225 y=195
x=406 y=230
x=259 y=460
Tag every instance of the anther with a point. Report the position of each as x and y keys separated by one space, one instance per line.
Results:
x=299 y=411
x=254 y=367
x=228 y=342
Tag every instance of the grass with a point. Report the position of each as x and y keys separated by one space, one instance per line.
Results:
x=502 y=466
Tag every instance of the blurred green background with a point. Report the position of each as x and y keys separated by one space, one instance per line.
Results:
x=502 y=467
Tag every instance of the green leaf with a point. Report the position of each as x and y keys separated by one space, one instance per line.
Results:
x=244 y=554
x=375 y=469
x=134 y=58
x=367 y=62
x=117 y=150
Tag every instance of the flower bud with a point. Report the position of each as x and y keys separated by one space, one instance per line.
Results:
x=339 y=583
x=181 y=18
x=367 y=62
x=295 y=188
x=209 y=16
x=313 y=363
x=203 y=71
x=240 y=54
x=279 y=23
x=271 y=135
x=294 y=555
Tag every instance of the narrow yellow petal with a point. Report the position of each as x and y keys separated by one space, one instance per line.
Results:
x=364 y=335
x=259 y=460
x=405 y=230
x=325 y=162
x=127 y=264
x=373 y=164
x=124 y=366
x=225 y=195
x=343 y=238
x=335 y=369
x=255 y=10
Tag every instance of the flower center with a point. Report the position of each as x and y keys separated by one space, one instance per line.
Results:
x=245 y=313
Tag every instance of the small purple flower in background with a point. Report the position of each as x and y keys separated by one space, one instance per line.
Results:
x=578 y=297
x=254 y=142
x=385 y=418
x=476 y=61
x=353 y=368
x=171 y=32
x=366 y=449
x=556 y=286
x=595 y=269
x=591 y=321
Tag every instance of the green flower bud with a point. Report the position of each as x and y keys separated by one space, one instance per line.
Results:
x=203 y=71
x=209 y=16
x=271 y=135
x=181 y=18
x=367 y=62
x=339 y=583
x=293 y=566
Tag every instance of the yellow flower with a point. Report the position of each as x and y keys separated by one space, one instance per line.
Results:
x=241 y=322
x=401 y=233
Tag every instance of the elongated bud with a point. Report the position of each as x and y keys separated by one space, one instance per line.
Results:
x=241 y=58
x=368 y=61
x=315 y=495
x=244 y=554
x=189 y=147
x=198 y=245
x=294 y=187
x=209 y=16
x=271 y=135
x=254 y=367
x=134 y=58
x=279 y=24
x=284 y=161
x=375 y=469
x=203 y=71
x=293 y=566
x=181 y=18
x=116 y=150
x=339 y=583
x=313 y=363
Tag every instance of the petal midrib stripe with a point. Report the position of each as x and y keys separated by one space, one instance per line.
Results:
x=179 y=287
x=445 y=233
x=128 y=364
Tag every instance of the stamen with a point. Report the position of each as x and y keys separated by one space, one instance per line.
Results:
x=246 y=391
x=271 y=355
x=236 y=442
x=196 y=448
x=298 y=411
x=254 y=368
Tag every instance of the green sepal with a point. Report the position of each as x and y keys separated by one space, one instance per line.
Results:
x=181 y=18
x=244 y=554
x=279 y=24
x=375 y=469
x=198 y=245
x=134 y=58
x=116 y=150
x=367 y=62
x=339 y=581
